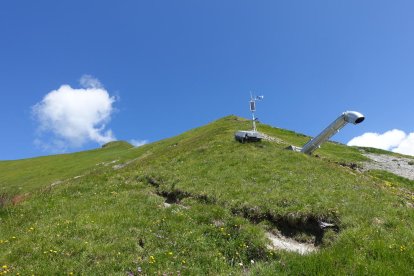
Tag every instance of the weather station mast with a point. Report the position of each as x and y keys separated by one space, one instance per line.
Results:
x=250 y=135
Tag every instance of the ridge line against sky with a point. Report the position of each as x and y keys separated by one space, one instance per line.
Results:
x=169 y=66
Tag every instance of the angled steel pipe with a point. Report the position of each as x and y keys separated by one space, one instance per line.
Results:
x=352 y=117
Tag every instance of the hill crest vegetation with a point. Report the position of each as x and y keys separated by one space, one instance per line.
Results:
x=202 y=203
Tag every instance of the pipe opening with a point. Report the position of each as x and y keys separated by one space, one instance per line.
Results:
x=359 y=120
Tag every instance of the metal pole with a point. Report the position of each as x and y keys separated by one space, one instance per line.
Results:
x=254 y=122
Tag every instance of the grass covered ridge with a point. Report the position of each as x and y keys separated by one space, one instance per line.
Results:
x=201 y=203
x=18 y=178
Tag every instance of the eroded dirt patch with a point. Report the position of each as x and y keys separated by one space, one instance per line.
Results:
x=279 y=242
x=291 y=225
x=293 y=232
x=175 y=196
x=298 y=233
x=19 y=198
x=351 y=165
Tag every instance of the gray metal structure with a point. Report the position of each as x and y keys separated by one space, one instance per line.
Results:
x=250 y=135
x=352 y=117
x=247 y=136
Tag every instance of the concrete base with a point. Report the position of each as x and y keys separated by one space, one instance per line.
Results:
x=248 y=136
x=294 y=148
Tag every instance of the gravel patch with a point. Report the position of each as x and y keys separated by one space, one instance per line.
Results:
x=401 y=166
x=272 y=139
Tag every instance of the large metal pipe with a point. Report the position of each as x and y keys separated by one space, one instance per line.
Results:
x=352 y=117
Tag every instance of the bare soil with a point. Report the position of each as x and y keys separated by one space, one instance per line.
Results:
x=283 y=243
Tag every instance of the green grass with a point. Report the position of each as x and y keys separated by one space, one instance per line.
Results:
x=225 y=196
x=28 y=175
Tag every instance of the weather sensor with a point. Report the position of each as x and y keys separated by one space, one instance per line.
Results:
x=353 y=117
x=250 y=135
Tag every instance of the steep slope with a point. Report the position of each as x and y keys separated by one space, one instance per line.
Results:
x=201 y=203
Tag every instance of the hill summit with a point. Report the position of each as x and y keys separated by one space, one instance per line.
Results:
x=203 y=203
x=118 y=144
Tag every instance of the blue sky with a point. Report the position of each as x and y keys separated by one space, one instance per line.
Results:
x=169 y=66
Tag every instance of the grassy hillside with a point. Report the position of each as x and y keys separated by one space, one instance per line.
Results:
x=23 y=176
x=202 y=203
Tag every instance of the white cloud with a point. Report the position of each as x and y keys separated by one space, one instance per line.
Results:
x=138 y=143
x=75 y=116
x=385 y=141
x=87 y=81
x=406 y=146
x=393 y=140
